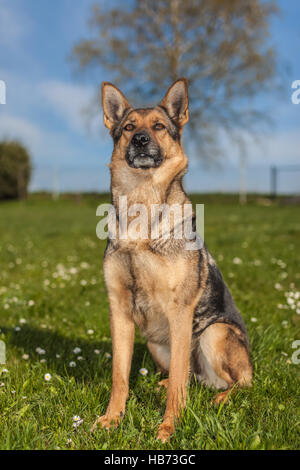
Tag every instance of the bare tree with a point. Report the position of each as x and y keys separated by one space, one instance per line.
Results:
x=221 y=46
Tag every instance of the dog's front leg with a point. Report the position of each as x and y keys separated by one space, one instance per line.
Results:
x=180 y=328
x=122 y=332
x=166 y=173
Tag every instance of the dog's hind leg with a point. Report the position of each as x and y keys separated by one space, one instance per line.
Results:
x=221 y=359
x=161 y=356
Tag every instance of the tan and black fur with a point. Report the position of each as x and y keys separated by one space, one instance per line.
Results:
x=176 y=297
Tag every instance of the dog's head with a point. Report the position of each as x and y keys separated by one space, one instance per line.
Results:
x=144 y=137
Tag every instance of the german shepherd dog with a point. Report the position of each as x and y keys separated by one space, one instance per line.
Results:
x=177 y=297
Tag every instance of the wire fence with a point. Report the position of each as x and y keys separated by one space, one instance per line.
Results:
x=277 y=171
x=265 y=179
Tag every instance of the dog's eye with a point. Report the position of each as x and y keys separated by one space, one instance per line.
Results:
x=158 y=126
x=129 y=127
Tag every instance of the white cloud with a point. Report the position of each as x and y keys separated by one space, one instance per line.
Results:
x=12 y=127
x=70 y=101
x=12 y=27
x=65 y=100
x=48 y=148
x=278 y=148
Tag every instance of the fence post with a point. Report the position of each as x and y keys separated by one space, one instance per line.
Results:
x=273 y=181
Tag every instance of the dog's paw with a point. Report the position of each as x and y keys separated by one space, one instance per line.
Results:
x=222 y=397
x=165 y=431
x=162 y=384
x=107 y=422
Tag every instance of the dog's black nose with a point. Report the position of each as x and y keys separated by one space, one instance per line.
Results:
x=140 y=139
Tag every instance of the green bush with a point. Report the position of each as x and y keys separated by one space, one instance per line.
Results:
x=15 y=170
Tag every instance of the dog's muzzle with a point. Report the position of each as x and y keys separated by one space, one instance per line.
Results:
x=143 y=161
x=142 y=152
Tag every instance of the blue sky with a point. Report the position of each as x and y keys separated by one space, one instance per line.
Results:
x=45 y=102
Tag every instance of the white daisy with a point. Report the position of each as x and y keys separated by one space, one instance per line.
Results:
x=77 y=421
x=84 y=265
x=48 y=377
x=143 y=371
x=40 y=351
x=281 y=264
x=76 y=350
x=72 y=364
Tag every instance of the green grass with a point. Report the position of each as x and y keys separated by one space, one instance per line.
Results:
x=47 y=250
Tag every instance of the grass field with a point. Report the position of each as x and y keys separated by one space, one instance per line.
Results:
x=53 y=300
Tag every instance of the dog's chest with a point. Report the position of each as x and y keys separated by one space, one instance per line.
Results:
x=154 y=283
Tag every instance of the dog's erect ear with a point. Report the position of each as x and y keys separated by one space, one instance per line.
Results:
x=176 y=102
x=114 y=104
